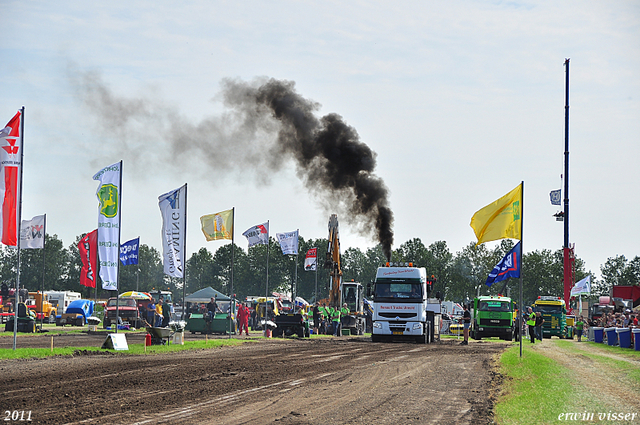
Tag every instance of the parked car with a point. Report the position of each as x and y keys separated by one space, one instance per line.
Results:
x=128 y=312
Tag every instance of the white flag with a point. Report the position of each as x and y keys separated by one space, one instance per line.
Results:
x=108 y=194
x=173 y=207
x=582 y=287
x=288 y=242
x=257 y=234
x=32 y=233
x=310 y=261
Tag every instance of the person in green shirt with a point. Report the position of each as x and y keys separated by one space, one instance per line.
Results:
x=335 y=320
x=580 y=328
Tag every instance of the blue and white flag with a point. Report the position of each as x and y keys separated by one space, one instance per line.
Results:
x=129 y=252
x=288 y=242
x=173 y=207
x=582 y=287
x=555 y=196
x=509 y=266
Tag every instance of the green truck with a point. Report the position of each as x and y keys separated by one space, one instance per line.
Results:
x=554 y=313
x=492 y=316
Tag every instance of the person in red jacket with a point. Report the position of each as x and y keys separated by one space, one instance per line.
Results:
x=243 y=319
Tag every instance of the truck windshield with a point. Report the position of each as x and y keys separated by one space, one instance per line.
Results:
x=549 y=308
x=122 y=302
x=492 y=305
x=398 y=290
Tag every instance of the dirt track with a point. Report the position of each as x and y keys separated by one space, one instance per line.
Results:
x=317 y=381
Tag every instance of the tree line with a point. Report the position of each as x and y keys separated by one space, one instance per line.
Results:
x=459 y=276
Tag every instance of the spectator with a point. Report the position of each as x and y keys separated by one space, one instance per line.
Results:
x=579 y=328
x=539 y=322
x=158 y=316
x=166 y=313
x=243 y=319
x=466 y=323
x=151 y=312
x=213 y=308
x=316 y=318
x=531 y=325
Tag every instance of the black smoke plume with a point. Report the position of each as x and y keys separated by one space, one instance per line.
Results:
x=264 y=124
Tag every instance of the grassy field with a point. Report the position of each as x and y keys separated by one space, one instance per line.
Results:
x=563 y=381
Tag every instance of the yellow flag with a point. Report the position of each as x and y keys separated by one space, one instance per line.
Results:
x=500 y=219
x=217 y=226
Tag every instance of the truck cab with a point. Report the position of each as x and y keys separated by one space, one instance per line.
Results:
x=402 y=308
x=554 y=313
x=127 y=310
x=492 y=316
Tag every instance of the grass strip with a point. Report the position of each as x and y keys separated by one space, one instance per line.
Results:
x=134 y=349
x=535 y=388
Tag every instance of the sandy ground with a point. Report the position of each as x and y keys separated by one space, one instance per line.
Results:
x=346 y=380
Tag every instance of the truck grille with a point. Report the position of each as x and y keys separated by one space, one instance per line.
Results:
x=495 y=322
x=399 y=315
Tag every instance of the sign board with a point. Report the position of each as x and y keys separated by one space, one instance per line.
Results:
x=116 y=342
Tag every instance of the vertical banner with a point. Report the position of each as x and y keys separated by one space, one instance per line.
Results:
x=173 y=209
x=108 y=194
x=88 y=247
x=10 y=164
x=288 y=242
x=310 y=261
x=129 y=252
x=32 y=233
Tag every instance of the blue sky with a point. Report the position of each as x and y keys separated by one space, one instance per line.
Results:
x=461 y=101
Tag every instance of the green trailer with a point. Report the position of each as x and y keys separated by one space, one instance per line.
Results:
x=220 y=324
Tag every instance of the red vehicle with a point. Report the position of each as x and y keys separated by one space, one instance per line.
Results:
x=128 y=311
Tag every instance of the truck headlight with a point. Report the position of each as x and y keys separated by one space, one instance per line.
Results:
x=377 y=325
x=417 y=326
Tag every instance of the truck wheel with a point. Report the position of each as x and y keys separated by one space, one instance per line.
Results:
x=301 y=332
x=376 y=338
x=52 y=318
x=422 y=339
x=80 y=322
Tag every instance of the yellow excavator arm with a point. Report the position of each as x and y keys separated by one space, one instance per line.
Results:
x=332 y=262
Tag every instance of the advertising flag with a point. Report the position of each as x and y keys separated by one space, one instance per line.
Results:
x=500 y=219
x=582 y=287
x=173 y=207
x=509 y=266
x=108 y=194
x=32 y=233
x=217 y=226
x=310 y=261
x=555 y=196
x=288 y=242
x=257 y=234
x=129 y=252
x=10 y=163
x=88 y=247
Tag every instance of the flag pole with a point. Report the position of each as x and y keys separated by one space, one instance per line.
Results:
x=184 y=255
x=44 y=242
x=295 y=285
x=19 y=230
x=266 y=288
x=316 y=275
x=233 y=218
x=521 y=265
x=118 y=260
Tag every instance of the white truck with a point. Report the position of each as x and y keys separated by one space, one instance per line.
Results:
x=61 y=299
x=402 y=307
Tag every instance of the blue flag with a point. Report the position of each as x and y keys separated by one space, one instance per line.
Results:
x=129 y=252
x=509 y=266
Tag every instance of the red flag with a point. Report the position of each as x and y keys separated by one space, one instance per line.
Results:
x=88 y=247
x=10 y=159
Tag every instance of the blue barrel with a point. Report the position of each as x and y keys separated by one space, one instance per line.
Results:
x=624 y=337
x=598 y=334
x=612 y=336
x=636 y=339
